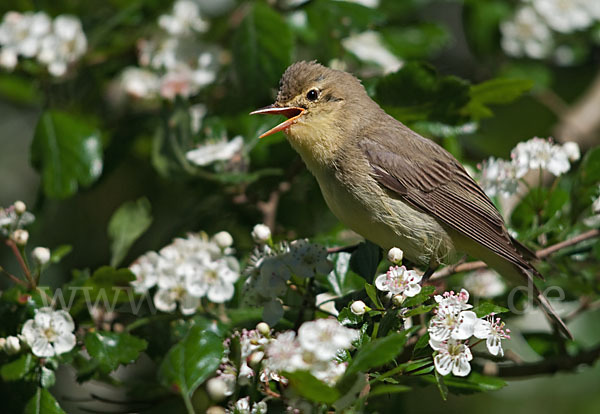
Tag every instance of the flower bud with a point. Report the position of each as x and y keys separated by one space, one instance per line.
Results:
x=41 y=255
x=395 y=255
x=20 y=237
x=359 y=308
x=12 y=345
x=20 y=207
x=216 y=410
x=397 y=300
x=223 y=239
x=261 y=233
x=572 y=150
x=218 y=389
x=263 y=328
x=255 y=358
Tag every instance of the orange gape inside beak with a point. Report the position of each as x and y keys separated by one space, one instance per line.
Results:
x=292 y=113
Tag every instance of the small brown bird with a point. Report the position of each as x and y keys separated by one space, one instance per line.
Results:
x=388 y=183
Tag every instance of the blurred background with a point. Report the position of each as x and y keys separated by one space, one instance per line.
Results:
x=153 y=80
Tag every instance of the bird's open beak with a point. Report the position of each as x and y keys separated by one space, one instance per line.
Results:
x=292 y=113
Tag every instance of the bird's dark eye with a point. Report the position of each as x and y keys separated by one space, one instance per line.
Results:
x=312 y=95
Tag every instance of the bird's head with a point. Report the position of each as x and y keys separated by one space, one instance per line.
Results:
x=321 y=104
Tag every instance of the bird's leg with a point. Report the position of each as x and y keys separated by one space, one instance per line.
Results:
x=430 y=270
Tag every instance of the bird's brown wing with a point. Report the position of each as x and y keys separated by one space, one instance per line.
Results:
x=439 y=185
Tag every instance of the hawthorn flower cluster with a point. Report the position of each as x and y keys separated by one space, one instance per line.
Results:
x=187 y=270
x=173 y=63
x=315 y=348
x=451 y=327
x=501 y=177
x=537 y=24
x=55 y=43
x=14 y=219
x=272 y=266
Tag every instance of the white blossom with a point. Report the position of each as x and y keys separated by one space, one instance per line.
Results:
x=145 y=271
x=185 y=19
x=11 y=220
x=526 y=35
x=220 y=387
x=326 y=302
x=565 y=16
x=65 y=45
x=284 y=353
x=49 y=333
x=493 y=331
x=538 y=153
x=485 y=283
x=452 y=357
x=307 y=259
x=358 y=307
x=223 y=239
x=209 y=153
x=325 y=337
x=20 y=207
x=140 y=83
x=41 y=255
x=368 y=46
x=261 y=233
x=399 y=281
x=395 y=255
x=596 y=205
x=197 y=113
x=572 y=150
x=498 y=177
x=185 y=271
x=12 y=345
x=451 y=319
x=20 y=237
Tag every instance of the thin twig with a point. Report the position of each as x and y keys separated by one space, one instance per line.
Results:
x=13 y=277
x=550 y=365
x=269 y=208
x=469 y=266
x=10 y=243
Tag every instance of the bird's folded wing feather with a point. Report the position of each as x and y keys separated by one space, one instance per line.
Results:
x=440 y=186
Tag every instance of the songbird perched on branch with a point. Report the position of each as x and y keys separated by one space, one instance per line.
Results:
x=388 y=183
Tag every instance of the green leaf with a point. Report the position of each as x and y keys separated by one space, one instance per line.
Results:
x=417 y=93
x=481 y=21
x=262 y=50
x=485 y=308
x=60 y=252
x=372 y=294
x=422 y=296
x=47 y=378
x=18 y=368
x=19 y=89
x=347 y=317
x=377 y=352
x=495 y=91
x=585 y=188
x=309 y=387
x=110 y=349
x=365 y=259
x=443 y=389
x=543 y=344
x=419 y=310
x=106 y=287
x=388 y=389
x=43 y=403
x=475 y=382
x=341 y=279
x=417 y=41
x=128 y=223
x=192 y=361
x=67 y=152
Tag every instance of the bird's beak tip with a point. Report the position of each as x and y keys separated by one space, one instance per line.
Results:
x=291 y=112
